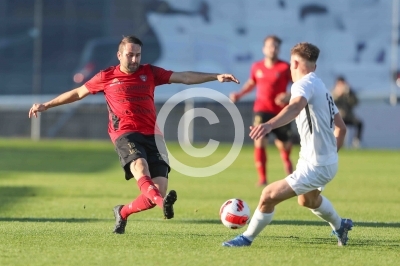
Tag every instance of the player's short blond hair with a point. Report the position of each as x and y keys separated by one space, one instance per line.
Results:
x=306 y=50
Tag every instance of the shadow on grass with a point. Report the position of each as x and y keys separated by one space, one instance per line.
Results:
x=353 y=242
x=51 y=220
x=56 y=159
x=11 y=195
x=295 y=222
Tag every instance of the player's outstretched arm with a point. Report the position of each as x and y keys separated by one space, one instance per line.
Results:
x=340 y=130
x=67 y=97
x=285 y=116
x=247 y=87
x=190 y=77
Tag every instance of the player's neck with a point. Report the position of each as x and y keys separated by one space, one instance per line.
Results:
x=269 y=62
x=300 y=74
x=125 y=70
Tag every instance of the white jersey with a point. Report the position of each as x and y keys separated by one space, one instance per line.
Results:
x=315 y=122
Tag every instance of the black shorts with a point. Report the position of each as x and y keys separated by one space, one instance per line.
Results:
x=132 y=146
x=283 y=133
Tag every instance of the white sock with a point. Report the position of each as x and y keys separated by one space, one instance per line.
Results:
x=257 y=223
x=327 y=213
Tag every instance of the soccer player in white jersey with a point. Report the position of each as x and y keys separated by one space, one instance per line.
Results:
x=322 y=133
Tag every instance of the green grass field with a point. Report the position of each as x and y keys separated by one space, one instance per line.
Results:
x=56 y=199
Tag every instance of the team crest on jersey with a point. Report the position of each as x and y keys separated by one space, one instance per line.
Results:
x=259 y=73
x=143 y=77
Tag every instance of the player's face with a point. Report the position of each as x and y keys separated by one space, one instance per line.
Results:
x=130 y=56
x=271 y=49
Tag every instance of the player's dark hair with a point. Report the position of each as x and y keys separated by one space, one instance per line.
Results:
x=341 y=78
x=306 y=51
x=274 y=38
x=129 y=39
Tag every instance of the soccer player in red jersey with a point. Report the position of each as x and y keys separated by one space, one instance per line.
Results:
x=129 y=92
x=271 y=76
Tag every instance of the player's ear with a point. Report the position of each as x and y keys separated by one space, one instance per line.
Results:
x=296 y=63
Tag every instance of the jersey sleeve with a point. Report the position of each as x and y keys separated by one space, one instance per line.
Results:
x=95 y=84
x=253 y=73
x=301 y=89
x=161 y=76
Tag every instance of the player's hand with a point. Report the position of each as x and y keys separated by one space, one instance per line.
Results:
x=259 y=131
x=227 y=78
x=37 y=107
x=281 y=99
x=234 y=97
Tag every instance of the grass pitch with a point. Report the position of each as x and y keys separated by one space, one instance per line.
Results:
x=56 y=199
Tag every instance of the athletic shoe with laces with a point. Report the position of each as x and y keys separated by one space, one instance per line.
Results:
x=120 y=223
x=239 y=241
x=342 y=232
x=168 y=204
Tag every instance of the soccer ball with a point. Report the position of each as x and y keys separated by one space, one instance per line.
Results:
x=234 y=213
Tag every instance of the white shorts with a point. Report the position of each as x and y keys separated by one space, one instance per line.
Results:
x=308 y=177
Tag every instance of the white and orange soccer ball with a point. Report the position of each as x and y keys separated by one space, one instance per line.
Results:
x=234 y=213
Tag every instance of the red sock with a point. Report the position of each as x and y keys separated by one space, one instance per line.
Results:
x=286 y=161
x=260 y=158
x=150 y=191
x=141 y=203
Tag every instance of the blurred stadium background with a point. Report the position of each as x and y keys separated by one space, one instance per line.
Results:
x=48 y=47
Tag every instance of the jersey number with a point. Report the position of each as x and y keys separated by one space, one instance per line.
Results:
x=331 y=109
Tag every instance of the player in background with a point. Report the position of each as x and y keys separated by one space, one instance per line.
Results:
x=129 y=93
x=271 y=76
x=322 y=133
x=346 y=100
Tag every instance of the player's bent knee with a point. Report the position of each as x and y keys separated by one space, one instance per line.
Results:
x=139 y=165
x=140 y=161
x=268 y=197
